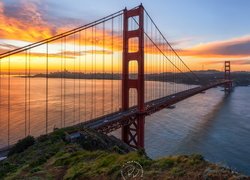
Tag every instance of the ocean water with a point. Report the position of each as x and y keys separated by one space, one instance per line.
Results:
x=69 y=102
x=212 y=124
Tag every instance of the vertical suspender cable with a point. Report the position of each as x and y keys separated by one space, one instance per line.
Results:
x=155 y=65
x=175 y=78
x=152 y=72
x=79 y=79
x=166 y=74
x=157 y=69
x=61 y=82
x=112 y=66
x=64 y=84
x=162 y=70
x=0 y=91
x=47 y=87
x=85 y=80
x=92 y=58
x=172 y=74
x=120 y=37
x=176 y=71
x=163 y=74
x=103 y=64
x=29 y=96
x=8 y=128
x=152 y=68
x=159 y=73
x=145 y=57
x=95 y=75
x=176 y=74
x=25 y=95
x=117 y=62
x=74 y=83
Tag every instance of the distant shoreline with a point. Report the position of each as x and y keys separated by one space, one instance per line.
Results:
x=239 y=78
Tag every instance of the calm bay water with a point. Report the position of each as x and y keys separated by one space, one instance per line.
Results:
x=69 y=102
x=211 y=124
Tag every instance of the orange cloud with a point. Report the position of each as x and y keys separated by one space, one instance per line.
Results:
x=238 y=47
x=19 y=27
x=233 y=62
x=26 y=23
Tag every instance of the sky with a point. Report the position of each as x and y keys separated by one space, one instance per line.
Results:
x=204 y=32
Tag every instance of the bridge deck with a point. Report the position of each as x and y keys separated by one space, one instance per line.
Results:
x=111 y=122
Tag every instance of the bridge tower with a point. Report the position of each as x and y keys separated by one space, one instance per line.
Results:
x=133 y=134
x=227 y=76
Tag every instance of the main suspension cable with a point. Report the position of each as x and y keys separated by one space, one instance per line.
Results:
x=170 y=45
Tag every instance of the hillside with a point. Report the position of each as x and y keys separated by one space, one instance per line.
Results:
x=97 y=156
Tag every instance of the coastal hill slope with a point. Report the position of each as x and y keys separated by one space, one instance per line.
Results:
x=97 y=156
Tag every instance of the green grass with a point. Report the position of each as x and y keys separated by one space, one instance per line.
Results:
x=50 y=157
x=22 y=145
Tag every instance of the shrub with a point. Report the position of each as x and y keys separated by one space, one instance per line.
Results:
x=43 y=138
x=5 y=168
x=195 y=159
x=177 y=171
x=141 y=152
x=117 y=149
x=167 y=163
x=37 y=162
x=22 y=145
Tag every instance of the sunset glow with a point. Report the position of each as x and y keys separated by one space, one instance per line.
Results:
x=26 y=22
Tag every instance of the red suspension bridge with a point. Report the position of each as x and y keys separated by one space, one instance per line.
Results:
x=108 y=74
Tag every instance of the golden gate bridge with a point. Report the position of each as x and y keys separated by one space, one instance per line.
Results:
x=105 y=75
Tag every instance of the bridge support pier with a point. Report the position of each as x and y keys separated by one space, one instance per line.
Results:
x=133 y=134
x=227 y=76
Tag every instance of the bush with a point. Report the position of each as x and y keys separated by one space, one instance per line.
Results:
x=5 y=168
x=195 y=159
x=43 y=138
x=38 y=161
x=22 y=145
x=167 y=163
x=177 y=171
x=141 y=152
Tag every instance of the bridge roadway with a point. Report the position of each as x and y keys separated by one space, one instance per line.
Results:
x=111 y=122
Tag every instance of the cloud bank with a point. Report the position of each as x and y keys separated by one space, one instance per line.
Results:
x=233 y=48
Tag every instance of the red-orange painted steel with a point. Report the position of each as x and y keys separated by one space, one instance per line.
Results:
x=228 y=86
x=133 y=134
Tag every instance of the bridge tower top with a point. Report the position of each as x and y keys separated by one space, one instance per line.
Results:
x=227 y=70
